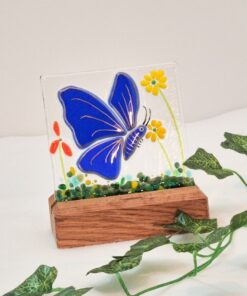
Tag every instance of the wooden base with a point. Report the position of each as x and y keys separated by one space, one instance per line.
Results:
x=123 y=217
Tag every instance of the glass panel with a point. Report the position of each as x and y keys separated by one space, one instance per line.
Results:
x=114 y=132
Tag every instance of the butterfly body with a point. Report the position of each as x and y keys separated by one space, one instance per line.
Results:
x=133 y=140
x=105 y=131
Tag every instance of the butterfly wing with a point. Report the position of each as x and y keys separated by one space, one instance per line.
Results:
x=103 y=158
x=124 y=98
x=88 y=116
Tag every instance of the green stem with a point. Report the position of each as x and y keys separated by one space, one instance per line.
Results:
x=205 y=242
x=240 y=177
x=165 y=154
x=195 y=262
x=229 y=241
x=122 y=283
x=62 y=164
x=218 y=250
x=175 y=124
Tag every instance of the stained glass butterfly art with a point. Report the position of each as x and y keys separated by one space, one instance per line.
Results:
x=112 y=126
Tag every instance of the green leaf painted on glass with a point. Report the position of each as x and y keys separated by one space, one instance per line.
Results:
x=122 y=181
x=71 y=291
x=184 y=222
x=133 y=257
x=238 y=221
x=235 y=142
x=38 y=284
x=202 y=160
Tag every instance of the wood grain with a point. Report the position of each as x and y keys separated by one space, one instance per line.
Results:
x=123 y=217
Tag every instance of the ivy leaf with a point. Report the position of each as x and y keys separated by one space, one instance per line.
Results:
x=118 y=265
x=133 y=257
x=238 y=221
x=212 y=238
x=217 y=235
x=38 y=284
x=202 y=160
x=184 y=222
x=147 y=244
x=189 y=247
x=235 y=142
x=71 y=291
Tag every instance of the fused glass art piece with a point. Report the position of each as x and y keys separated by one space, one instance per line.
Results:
x=115 y=132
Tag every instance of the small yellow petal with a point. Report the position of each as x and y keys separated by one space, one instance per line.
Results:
x=149 y=88
x=160 y=73
x=158 y=124
x=153 y=137
x=161 y=135
x=150 y=127
x=162 y=79
x=161 y=85
x=161 y=129
x=153 y=123
x=147 y=77
x=153 y=74
x=155 y=90
x=144 y=82
x=148 y=135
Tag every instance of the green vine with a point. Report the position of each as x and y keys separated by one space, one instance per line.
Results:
x=208 y=243
x=197 y=268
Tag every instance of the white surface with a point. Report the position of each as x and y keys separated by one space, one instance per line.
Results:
x=207 y=39
x=26 y=239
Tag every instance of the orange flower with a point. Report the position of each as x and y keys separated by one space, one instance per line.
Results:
x=56 y=128
x=55 y=144
x=156 y=130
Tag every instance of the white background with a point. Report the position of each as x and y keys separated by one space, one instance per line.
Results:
x=207 y=39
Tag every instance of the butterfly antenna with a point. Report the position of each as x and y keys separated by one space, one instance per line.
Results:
x=144 y=121
x=149 y=117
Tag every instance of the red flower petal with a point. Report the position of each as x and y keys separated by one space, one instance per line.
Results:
x=53 y=146
x=66 y=149
x=56 y=128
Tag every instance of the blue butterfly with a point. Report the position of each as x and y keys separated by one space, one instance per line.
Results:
x=91 y=120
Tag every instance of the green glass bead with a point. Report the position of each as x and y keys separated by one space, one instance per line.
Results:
x=141 y=176
x=147 y=179
x=62 y=186
x=69 y=174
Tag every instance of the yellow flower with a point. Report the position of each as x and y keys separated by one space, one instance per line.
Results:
x=156 y=130
x=73 y=171
x=155 y=80
x=134 y=184
x=88 y=182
